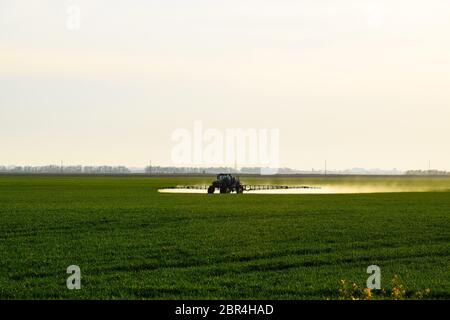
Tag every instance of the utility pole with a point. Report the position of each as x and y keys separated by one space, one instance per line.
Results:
x=325 y=167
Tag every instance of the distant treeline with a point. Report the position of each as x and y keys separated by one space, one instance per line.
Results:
x=427 y=173
x=66 y=169
x=211 y=170
x=104 y=169
x=78 y=169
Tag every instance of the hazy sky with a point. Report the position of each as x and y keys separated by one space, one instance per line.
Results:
x=359 y=83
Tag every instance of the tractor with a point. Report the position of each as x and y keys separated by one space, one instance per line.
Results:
x=226 y=183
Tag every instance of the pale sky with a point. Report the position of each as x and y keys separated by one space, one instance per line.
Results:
x=359 y=83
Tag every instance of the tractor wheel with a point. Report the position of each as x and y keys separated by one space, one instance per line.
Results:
x=211 y=189
x=240 y=189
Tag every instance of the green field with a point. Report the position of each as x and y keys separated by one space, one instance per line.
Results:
x=132 y=242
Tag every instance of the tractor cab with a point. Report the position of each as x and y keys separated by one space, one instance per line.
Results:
x=224 y=178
